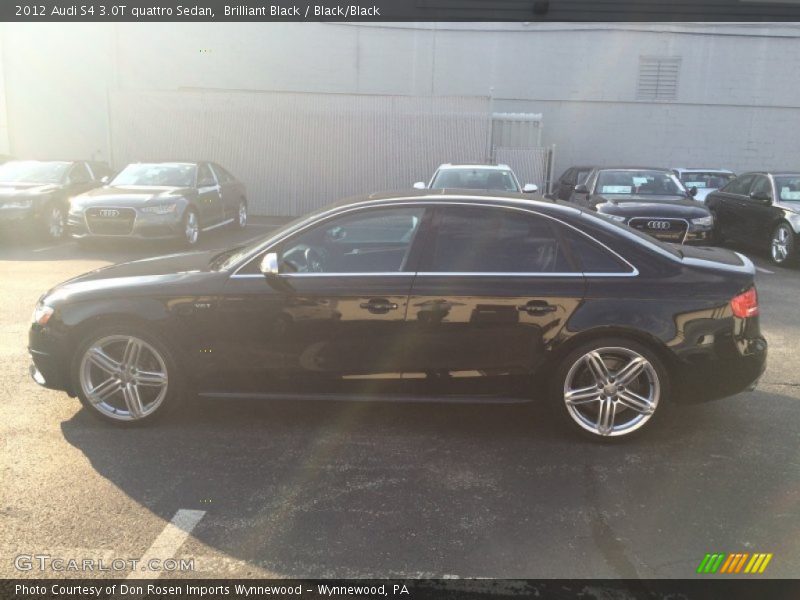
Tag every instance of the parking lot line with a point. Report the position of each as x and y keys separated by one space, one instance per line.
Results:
x=168 y=541
x=46 y=248
x=763 y=270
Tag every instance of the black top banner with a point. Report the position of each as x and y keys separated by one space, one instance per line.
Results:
x=402 y=10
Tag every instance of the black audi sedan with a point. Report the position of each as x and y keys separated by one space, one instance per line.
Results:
x=447 y=296
x=651 y=200
x=761 y=210
x=165 y=200
x=36 y=193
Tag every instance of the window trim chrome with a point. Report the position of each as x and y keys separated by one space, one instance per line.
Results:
x=425 y=201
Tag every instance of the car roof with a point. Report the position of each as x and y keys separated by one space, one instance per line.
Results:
x=699 y=170
x=500 y=167
x=773 y=173
x=633 y=168
x=457 y=196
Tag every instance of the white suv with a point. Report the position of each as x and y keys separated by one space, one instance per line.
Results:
x=499 y=178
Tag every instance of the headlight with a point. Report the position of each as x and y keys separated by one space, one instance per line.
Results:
x=42 y=314
x=18 y=203
x=160 y=209
x=703 y=221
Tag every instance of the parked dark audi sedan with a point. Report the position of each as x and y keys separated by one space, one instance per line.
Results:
x=760 y=210
x=651 y=200
x=440 y=296
x=36 y=193
x=160 y=200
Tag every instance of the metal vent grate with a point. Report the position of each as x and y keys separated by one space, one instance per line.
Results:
x=658 y=77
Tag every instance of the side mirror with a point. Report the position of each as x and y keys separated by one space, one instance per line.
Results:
x=693 y=191
x=581 y=189
x=269 y=265
x=761 y=197
x=530 y=188
x=420 y=185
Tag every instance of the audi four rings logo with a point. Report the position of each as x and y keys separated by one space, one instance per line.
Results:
x=659 y=224
x=109 y=212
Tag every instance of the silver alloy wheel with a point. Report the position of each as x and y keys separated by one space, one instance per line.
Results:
x=611 y=391
x=192 y=230
x=242 y=214
x=123 y=377
x=55 y=222
x=781 y=242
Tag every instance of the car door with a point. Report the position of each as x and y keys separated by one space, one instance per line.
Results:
x=494 y=288
x=758 y=216
x=211 y=210
x=728 y=204
x=228 y=192
x=332 y=321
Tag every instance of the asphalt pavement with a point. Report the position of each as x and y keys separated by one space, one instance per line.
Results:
x=312 y=489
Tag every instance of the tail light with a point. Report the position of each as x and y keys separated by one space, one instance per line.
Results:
x=745 y=304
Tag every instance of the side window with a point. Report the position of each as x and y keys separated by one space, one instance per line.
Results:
x=204 y=176
x=100 y=170
x=222 y=175
x=762 y=185
x=740 y=185
x=581 y=175
x=79 y=174
x=567 y=177
x=370 y=241
x=494 y=240
x=591 y=256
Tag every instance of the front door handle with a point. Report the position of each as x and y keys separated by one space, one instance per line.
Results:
x=379 y=306
x=537 y=307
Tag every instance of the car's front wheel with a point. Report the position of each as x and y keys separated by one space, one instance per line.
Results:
x=125 y=376
x=241 y=217
x=54 y=222
x=782 y=245
x=191 y=227
x=610 y=388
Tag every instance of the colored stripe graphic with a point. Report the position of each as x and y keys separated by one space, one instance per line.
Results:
x=734 y=563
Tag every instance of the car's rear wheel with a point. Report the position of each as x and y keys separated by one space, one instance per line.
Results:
x=125 y=376
x=782 y=245
x=241 y=218
x=610 y=388
x=191 y=227
x=54 y=222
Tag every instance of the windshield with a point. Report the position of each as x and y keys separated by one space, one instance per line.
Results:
x=157 y=174
x=33 y=171
x=656 y=183
x=788 y=187
x=706 y=179
x=475 y=179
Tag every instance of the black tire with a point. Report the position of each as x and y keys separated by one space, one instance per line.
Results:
x=574 y=366
x=240 y=221
x=190 y=221
x=175 y=386
x=785 y=253
x=53 y=224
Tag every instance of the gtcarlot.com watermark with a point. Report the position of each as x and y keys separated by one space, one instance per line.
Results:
x=60 y=564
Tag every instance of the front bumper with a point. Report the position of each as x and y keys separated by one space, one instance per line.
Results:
x=48 y=347
x=16 y=216
x=140 y=226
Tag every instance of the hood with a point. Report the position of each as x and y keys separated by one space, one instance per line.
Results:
x=125 y=196
x=14 y=190
x=652 y=206
x=144 y=276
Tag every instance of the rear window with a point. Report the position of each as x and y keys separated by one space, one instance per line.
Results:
x=475 y=179
x=706 y=179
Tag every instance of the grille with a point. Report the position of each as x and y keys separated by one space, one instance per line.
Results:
x=666 y=230
x=110 y=221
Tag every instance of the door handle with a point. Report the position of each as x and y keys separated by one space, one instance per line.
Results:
x=537 y=307
x=379 y=306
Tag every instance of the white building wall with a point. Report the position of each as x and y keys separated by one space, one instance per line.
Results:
x=738 y=100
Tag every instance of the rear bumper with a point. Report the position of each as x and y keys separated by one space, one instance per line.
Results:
x=731 y=370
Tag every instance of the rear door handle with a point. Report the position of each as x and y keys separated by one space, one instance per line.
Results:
x=537 y=307
x=379 y=306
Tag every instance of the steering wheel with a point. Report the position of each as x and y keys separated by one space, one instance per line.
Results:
x=315 y=261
